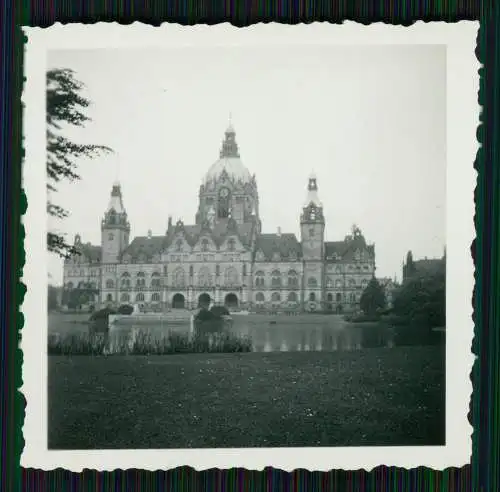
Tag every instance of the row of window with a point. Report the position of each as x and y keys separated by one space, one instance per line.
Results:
x=75 y=272
x=205 y=245
x=231 y=278
x=259 y=297
x=81 y=272
x=293 y=297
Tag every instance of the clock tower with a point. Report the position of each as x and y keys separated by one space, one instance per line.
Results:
x=312 y=231
x=312 y=224
x=228 y=189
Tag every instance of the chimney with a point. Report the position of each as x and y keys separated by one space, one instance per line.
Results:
x=279 y=232
x=150 y=234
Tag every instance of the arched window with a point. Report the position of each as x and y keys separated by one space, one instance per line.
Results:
x=352 y=298
x=259 y=279
x=329 y=297
x=312 y=297
x=179 y=280
x=125 y=281
x=338 y=297
x=364 y=283
x=312 y=282
x=69 y=285
x=178 y=245
x=141 y=279
x=259 y=298
x=217 y=270
x=293 y=279
x=329 y=283
x=244 y=269
x=139 y=297
x=275 y=298
x=275 y=278
x=155 y=297
x=109 y=284
x=338 y=283
x=191 y=270
x=231 y=244
x=204 y=244
x=109 y=297
x=204 y=277
x=231 y=277
x=155 y=280
x=352 y=282
x=292 y=297
x=125 y=297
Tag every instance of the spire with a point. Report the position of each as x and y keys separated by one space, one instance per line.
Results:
x=116 y=202
x=229 y=145
x=312 y=192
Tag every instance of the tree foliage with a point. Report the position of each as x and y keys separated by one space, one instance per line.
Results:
x=65 y=106
x=52 y=298
x=75 y=297
x=373 y=298
x=423 y=299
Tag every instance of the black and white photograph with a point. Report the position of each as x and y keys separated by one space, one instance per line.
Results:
x=251 y=245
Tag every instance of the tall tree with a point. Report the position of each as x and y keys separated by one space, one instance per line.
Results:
x=423 y=298
x=372 y=298
x=65 y=106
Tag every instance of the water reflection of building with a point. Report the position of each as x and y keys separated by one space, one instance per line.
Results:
x=224 y=257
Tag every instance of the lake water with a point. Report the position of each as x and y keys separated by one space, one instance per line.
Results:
x=305 y=333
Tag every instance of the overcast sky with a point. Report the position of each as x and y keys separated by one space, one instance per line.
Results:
x=370 y=121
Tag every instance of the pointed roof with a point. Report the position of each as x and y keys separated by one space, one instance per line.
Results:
x=312 y=192
x=115 y=201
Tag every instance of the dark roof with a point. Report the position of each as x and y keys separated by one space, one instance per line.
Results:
x=282 y=243
x=222 y=229
x=150 y=246
x=89 y=253
x=145 y=245
x=345 y=249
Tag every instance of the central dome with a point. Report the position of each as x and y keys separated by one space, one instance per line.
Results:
x=229 y=162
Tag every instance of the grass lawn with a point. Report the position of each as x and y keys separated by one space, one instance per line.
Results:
x=365 y=397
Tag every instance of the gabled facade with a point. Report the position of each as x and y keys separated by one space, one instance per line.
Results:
x=224 y=257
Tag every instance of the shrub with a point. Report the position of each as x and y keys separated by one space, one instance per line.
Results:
x=126 y=309
x=99 y=320
x=206 y=315
x=219 y=311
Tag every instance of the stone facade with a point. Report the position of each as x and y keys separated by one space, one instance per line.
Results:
x=224 y=257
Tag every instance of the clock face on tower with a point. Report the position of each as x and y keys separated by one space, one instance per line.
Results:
x=224 y=193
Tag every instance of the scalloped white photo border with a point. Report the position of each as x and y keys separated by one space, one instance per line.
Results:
x=462 y=120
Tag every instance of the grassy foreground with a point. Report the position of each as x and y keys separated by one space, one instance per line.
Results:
x=367 y=397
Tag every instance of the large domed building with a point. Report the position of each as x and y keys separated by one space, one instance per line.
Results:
x=224 y=257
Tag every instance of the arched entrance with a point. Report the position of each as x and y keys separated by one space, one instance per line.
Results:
x=339 y=309
x=204 y=301
x=178 y=301
x=231 y=301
